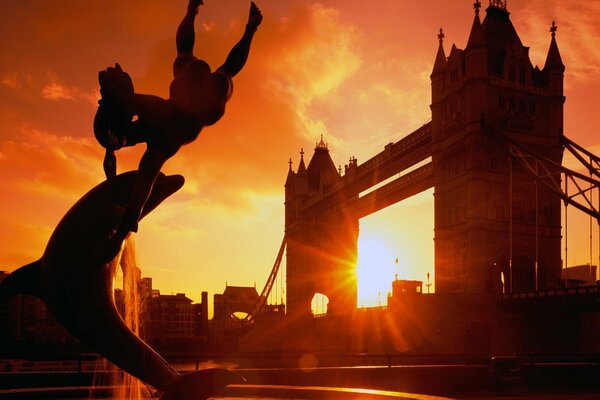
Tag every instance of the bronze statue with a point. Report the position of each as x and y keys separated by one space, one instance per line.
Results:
x=75 y=275
x=79 y=290
x=197 y=99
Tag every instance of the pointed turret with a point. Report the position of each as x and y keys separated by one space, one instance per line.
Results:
x=554 y=75
x=321 y=170
x=301 y=167
x=438 y=75
x=499 y=35
x=291 y=174
x=476 y=37
x=554 y=60
x=440 y=59
x=476 y=52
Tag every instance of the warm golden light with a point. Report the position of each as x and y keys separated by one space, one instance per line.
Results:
x=371 y=86
x=375 y=271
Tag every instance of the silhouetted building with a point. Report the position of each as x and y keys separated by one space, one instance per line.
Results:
x=235 y=301
x=490 y=86
x=495 y=229
x=26 y=319
x=321 y=245
x=171 y=320
x=580 y=275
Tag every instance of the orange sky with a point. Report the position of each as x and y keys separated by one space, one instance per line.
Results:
x=355 y=71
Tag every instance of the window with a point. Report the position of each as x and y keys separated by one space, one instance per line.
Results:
x=511 y=103
x=532 y=107
x=511 y=73
x=501 y=103
x=522 y=76
x=522 y=105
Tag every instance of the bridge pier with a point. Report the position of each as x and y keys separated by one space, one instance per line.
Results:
x=321 y=246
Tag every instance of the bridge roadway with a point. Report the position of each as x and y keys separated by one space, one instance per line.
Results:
x=395 y=158
x=582 y=298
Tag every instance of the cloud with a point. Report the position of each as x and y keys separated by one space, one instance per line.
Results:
x=56 y=91
x=577 y=34
x=319 y=56
x=41 y=176
x=10 y=80
x=49 y=165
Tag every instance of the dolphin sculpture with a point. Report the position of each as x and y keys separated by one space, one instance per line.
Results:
x=78 y=288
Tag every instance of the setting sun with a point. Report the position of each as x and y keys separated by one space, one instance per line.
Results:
x=375 y=271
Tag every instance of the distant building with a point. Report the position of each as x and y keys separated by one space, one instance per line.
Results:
x=172 y=322
x=230 y=308
x=169 y=322
x=26 y=319
x=171 y=319
x=402 y=288
x=580 y=275
x=235 y=300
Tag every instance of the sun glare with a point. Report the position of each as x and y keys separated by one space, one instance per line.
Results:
x=395 y=240
x=375 y=271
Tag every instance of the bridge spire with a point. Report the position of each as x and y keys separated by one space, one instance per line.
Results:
x=321 y=144
x=476 y=37
x=499 y=4
x=477 y=6
x=440 y=59
x=301 y=166
x=554 y=60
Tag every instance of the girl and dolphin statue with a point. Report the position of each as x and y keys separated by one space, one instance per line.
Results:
x=78 y=288
x=75 y=275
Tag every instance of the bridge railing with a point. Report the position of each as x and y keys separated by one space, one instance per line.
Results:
x=559 y=292
x=404 y=145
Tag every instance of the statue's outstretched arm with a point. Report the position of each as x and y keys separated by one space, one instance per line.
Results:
x=186 y=35
x=239 y=53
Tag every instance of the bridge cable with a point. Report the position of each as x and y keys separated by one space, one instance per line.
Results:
x=566 y=235
x=266 y=291
x=510 y=229
x=548 y=177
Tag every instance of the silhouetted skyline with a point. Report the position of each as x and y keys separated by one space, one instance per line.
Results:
x=371 y=88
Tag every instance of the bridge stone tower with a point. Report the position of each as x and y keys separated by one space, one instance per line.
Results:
x=321 y=245
x=491 y=218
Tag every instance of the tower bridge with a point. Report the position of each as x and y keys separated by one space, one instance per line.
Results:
x=492 y=153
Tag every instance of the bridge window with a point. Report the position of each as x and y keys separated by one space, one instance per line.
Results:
x=532 y=107
x=319 y=304
x=522 y=76
x=511 y=103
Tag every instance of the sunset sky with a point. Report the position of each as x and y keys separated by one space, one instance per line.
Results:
x=355 y=71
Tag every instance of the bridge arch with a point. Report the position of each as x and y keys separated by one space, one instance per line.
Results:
x=319 y=304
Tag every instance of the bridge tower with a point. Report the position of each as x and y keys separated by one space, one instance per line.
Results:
x=321 y=246
x=495 y=228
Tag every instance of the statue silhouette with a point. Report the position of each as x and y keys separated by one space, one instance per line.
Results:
x=74 y=276
x=197 y=98
x=78 y=288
